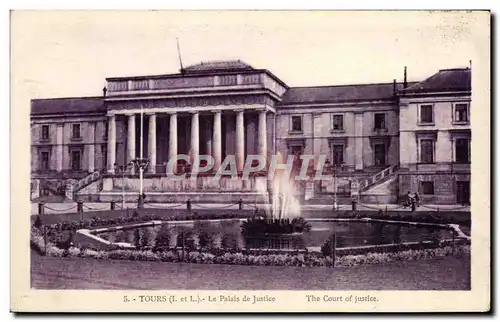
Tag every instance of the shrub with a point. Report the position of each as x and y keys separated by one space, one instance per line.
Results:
x=327 y=247
x=263 y=226
x=54 y=251
x=62 y=239
x=74 y=251
x=163 y=237
x=137 y=238
x=38 y=222
x=205 y=239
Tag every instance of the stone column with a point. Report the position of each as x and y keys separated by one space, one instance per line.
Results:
x=217 y=140
x=262 y=134
x=131 y=138
x=111 y=143
x=172 y=138
x=91 y=147
x=195 y=135
x=152 y=144
x=358 y=133
x=59 y=147
x=240 y=141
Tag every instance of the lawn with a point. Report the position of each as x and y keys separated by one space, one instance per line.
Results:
x=450 y=273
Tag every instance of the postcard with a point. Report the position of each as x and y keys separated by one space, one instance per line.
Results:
x=250 y=161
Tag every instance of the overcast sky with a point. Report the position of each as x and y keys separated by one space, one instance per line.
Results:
x=61 y=54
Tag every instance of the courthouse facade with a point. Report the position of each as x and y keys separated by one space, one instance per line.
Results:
x=380 y=140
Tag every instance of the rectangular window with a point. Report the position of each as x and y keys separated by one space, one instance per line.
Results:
x=338 y=154
x=427 y=187
x=338 y=122
x=427 y=151
x=76 y=131
x=380 y=121
x=426 y=114
x=462 y=150
x=106 y=129
x=45 y=132
x=379 y=154
x=461 y=113
x=76 y=157
x=297 y=123
x=45 y=160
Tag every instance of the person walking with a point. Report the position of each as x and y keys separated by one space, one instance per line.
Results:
x=417 y=199
x=408 y=200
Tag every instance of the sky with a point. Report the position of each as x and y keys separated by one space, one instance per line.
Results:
x=70 y=53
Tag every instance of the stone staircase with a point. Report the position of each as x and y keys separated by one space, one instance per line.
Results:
x=73 y=187
x=378 y=178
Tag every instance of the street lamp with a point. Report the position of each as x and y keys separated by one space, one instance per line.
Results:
x=142 y=164
x=123 y=169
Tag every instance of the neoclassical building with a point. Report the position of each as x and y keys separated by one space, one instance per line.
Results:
x=380 y=140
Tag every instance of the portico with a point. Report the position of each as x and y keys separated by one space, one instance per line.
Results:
x=215 y=131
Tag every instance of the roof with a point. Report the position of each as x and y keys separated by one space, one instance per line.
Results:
x=218 y=65
x=341 y=93
x=445 y=80
x=73 y=105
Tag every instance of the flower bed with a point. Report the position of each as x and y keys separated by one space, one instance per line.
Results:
x=239 y=257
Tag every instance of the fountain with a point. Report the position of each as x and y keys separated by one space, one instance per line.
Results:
x=282 y=214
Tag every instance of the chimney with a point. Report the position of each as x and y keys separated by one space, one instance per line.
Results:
x=394 y=88
x=104 y=90
x=405 y=83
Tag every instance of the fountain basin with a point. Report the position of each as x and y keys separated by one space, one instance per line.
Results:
x=227 y=234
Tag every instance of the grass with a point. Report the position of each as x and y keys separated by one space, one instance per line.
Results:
x=449 y=273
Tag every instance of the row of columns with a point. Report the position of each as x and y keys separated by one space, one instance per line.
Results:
x=214 y=140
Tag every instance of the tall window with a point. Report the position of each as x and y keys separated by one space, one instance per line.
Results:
x=45 y=160
x=338 y=122
x=106 y=130
x=76 y=158
x=45 y=132
x=379 y=154
x=427 y=187
x=104 y=153
x=461 y=113
x=426 y=114
x=338 y=154
x=76 y=131
x=427 y=151
x=297 y=123
x=380 y=121
x=462 y=150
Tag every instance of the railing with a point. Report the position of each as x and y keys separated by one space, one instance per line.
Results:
x=180 y=82
x=368 y=182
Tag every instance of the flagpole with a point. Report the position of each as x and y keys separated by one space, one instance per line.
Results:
x=141 y=170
